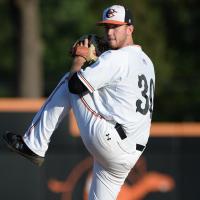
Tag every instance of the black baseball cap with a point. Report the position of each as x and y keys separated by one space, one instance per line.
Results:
x=116 y=14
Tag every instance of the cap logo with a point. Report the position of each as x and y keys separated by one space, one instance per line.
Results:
x=111 y=13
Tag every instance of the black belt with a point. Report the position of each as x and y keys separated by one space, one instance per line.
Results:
x=123 y=135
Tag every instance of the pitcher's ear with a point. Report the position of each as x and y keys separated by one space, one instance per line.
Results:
x=130 y=29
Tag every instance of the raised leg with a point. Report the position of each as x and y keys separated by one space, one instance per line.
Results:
x=38 y=135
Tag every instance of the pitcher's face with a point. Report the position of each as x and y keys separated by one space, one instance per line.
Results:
x=118 y=36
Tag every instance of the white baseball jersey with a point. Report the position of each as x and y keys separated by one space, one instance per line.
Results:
x=122 y=84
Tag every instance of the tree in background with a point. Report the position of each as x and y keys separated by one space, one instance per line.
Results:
x=20 y=49
x=168 y=31
x=31 y=72
x=63 y=22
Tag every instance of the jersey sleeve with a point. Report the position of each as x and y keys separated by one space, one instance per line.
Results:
x=104 y=71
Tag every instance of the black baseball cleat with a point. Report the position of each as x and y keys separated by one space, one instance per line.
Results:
x=16 y=144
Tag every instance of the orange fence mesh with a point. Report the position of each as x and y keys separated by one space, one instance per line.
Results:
x=158 y=129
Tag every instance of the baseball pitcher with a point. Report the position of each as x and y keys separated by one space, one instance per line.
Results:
x=112 y=99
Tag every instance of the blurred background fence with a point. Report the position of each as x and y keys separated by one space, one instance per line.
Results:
x=168 y=169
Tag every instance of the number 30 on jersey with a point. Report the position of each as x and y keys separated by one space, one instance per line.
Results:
x=147 y=91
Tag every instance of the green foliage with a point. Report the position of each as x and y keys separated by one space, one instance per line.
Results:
x=167 y=31
x=62 y=23
x=6 y=38
x=8 y=49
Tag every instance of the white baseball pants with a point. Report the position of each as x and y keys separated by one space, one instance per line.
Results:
x=112 y=162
